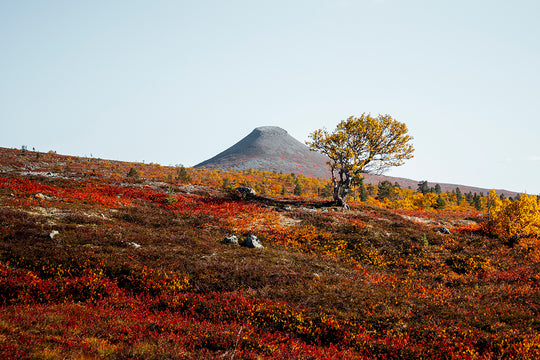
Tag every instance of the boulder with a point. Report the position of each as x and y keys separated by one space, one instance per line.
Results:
x=245 y=191
x=233 y=240
x=252 y=242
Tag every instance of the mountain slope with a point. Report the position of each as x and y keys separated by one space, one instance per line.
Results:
x=270 y=148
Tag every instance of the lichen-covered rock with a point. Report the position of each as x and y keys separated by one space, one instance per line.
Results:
x=232 y=240
x=253 y=242
x=245 y=191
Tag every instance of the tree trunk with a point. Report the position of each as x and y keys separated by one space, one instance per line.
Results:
x=341 y=188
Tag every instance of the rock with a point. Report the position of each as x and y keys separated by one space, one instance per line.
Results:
x=444 y=230
x=233 y=240
x=39 y=196
x=53 y=233
x=245 y=191
x=252 y=242
x=135 y=245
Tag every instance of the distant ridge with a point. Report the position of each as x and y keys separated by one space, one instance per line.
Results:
x=413 y=184
x=270 y=148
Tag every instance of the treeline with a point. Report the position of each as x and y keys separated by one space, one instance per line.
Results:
x=384 y=194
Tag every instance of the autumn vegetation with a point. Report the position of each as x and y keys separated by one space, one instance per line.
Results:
x=105 y=259
x=361 y=145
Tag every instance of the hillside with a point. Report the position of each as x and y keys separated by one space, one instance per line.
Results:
x=413 y=184
x=98 y=265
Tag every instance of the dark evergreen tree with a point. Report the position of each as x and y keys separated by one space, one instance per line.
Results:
x=298 y=188
x=459 y=197
x=423 y=187
x=386 y=190
x=440 y=204
x=363 y=191
x=182 y=174
x=477 y=202
x=469 y=198
x=132 y=173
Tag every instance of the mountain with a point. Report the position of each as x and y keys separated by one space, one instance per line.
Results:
x=270 y=148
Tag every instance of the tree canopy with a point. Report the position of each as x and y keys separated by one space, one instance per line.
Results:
x=365 y=144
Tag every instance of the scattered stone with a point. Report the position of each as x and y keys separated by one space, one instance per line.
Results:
x=53 y=233
x=39 y=196
x=245 y=191
x=233 y=240
x=444 y=230
x=252 y=242
x=135 y=245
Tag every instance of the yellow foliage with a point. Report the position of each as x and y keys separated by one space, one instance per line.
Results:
x=365 y=144
x=362 y=145
x=514 y=219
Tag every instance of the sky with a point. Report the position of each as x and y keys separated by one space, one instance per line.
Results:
x=176 y=82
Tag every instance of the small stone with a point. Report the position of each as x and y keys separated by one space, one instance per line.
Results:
x=135 y=245
x=53 y=233
x=233 y=240
x=252 y=242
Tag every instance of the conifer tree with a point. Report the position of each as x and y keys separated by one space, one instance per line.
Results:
x=423 y=187
x=363 y=191
x=298 y=188
x=132 y=173
x=459 y=197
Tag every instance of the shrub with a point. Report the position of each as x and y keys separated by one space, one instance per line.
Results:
x=514 y=220
x=134 y=174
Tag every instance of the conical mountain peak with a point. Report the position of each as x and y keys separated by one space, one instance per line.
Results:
x=270 y=148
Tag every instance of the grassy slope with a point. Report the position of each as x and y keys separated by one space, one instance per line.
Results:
x=329 y=284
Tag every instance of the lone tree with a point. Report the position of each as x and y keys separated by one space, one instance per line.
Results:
x=361 y=145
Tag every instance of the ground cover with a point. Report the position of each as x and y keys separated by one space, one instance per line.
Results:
x=97 y=265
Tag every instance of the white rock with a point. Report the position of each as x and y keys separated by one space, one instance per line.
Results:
x=253 y=242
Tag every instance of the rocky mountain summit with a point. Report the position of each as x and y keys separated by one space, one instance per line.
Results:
x=270 y=148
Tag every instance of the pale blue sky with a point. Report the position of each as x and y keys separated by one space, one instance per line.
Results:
x=175 y=82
